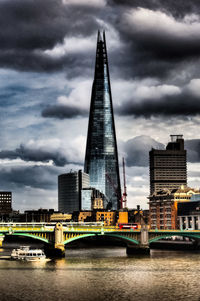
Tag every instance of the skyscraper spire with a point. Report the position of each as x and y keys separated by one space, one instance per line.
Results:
x=101 y=159
x=99 y=38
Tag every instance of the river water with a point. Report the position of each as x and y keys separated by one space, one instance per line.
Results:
x=102 y=274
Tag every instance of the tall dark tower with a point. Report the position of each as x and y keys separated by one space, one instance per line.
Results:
x=168 y=168
x=101 y=158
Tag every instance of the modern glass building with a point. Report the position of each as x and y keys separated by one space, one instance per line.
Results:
x=101 y=159
x=69 y=190
x=86 y=199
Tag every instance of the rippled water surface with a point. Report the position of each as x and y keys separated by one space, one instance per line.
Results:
x=103 y=274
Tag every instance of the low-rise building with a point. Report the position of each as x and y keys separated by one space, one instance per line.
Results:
x=122 y=217
x=85 y=216
x=61 y=217
x=189 y=215
x=163 y=206
x=40 y=215
x=138 y=216
x=162 y=210
x=132 y=216
x=108 y=217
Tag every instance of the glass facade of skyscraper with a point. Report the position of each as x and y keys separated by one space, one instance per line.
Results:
x=101 y=160
x=86 y=199
x=69 y=190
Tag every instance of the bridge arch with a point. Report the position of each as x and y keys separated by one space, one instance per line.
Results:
x=188 y=235
x=118 y=236
x=124 y=238
x=30 y=236
x=67 y=241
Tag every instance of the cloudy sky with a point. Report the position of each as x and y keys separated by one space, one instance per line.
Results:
x=47 y=57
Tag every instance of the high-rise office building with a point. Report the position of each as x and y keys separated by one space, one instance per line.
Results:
x=101 y=159
x=69 y=190
x=168 y=168
x=5 y=202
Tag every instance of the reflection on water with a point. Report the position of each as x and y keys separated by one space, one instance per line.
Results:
x=103 y=274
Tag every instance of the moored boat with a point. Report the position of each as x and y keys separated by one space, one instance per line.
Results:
x=27 y=254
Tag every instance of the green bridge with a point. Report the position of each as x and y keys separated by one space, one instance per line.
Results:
x=57 y=236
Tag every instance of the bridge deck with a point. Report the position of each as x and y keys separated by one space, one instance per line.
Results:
x=41 y=227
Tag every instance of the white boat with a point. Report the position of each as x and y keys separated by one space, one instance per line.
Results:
x=27 y=254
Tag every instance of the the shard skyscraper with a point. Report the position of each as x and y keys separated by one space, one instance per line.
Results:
x=101 y=159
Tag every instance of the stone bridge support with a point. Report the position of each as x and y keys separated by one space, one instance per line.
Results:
x=143 y=246
x=59 y=239
x=1 y=240
x=196 y=244
x=57 y=248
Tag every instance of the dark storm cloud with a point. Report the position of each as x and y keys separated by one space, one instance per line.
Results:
x=193 y=150
x=170 y=41
x=158 y=37
x=137 y=150
x=29 y=27
x=177 y=8
x=37 y=61
x=35 y=22
x=33 y=176
x=63 y=112
x=37 y=155
x=183 y=104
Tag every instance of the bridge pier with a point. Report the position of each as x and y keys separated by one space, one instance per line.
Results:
x=1 y=240
x=57 y=248
x=143 y=247
x=59 y=241
x=196 y=244
x=137 y=250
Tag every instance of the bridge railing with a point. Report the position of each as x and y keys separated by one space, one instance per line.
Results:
x=72 y=227
x=173 y=231
x=67 y=224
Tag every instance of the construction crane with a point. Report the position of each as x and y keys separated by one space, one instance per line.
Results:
x=123 y=197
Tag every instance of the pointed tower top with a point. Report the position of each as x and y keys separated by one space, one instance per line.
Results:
x=101 y=54
x=99 y=36
x=104 y=36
